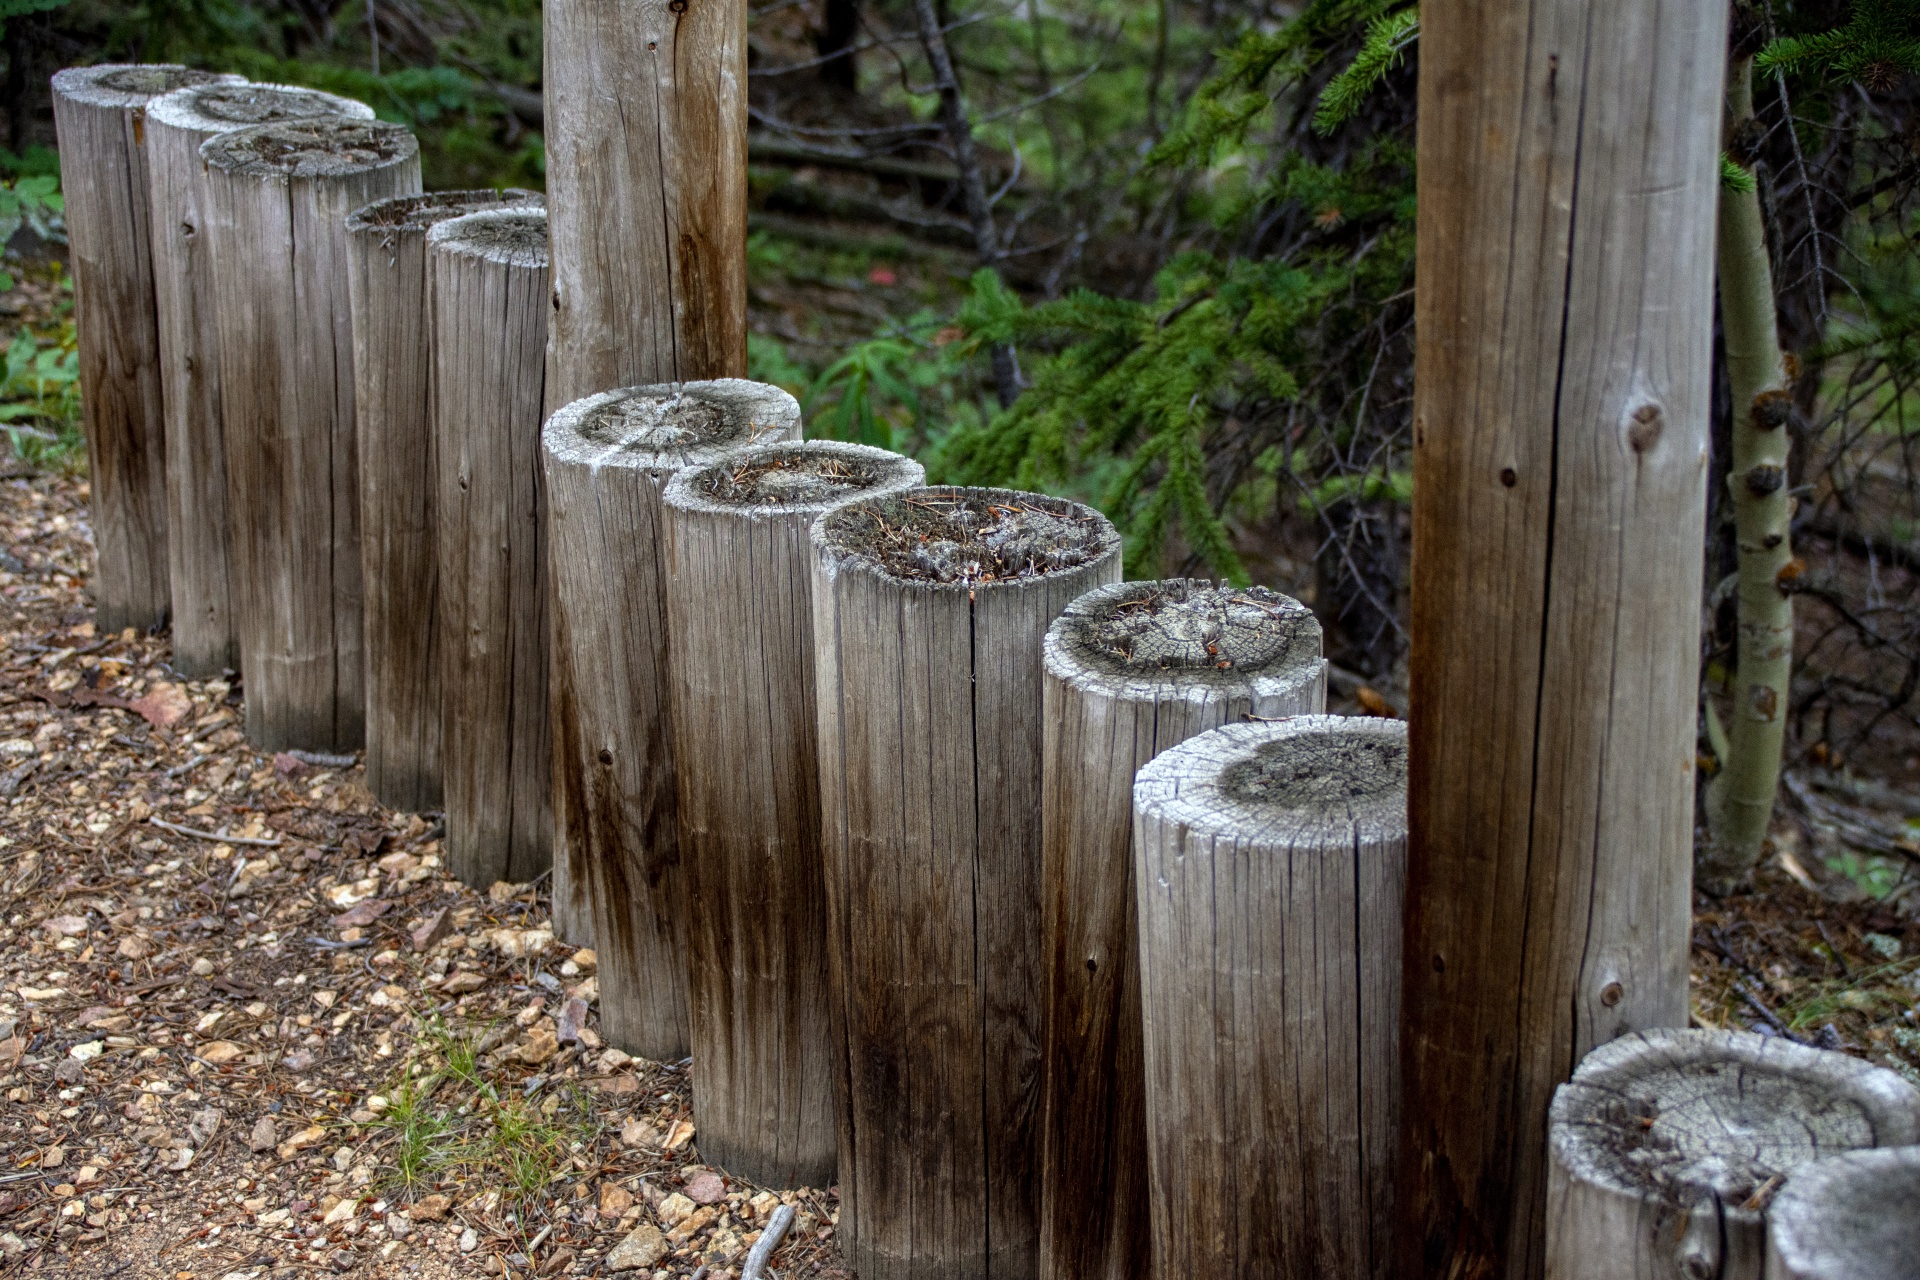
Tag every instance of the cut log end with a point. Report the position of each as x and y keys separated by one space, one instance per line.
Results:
x=964 y=537
x=670 y=425
x=791 y=479
x=1850 y=1216
x=509 y=237
x=1187 y=632
x=129 y=85
x=321 y=148
x=399 y=214
x=216 y=108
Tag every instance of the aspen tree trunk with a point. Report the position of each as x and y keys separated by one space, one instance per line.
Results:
x=1853 y=1215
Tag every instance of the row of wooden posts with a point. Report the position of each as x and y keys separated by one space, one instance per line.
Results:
x=1046 y=912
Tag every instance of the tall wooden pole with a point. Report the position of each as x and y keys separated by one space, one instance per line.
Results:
x=1568 y=173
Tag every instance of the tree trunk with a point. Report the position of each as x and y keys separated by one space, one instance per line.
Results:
x=1270 y=867
x=1850 y=1216
x=1667 y=1146
x=616 y=835
x=740 y=617
x=1130 y=671
x=1740 y=795
x=392 y=360
x=206 y=638
x=929 y=613
x=278 y=196
x=100 y=116
x=487 y=277
x=1568 y=171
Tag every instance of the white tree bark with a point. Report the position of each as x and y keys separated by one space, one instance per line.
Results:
x=1855 y=1215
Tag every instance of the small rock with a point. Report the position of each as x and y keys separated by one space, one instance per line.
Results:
x=464 y=982
x=674 y=1210
x=643 y=1248
x=300 y=1142
x=12 y=1246
x=614 y=1199
x=343 y=1159
x=539 y=1046
x=264 y=1135
x=205 y=1123
x=516 y=944
x=133 y=947
x=69 y=1071
x=53 y=1157
x=398 y=1226
x=297 y=1061
x=706 y=1187
x=364 y=912
x=502 y=891
x=615 y=1059
x=202 y=967
x=342 y=1212
x=218 y=1052
x=288 y=766
x=469 y=1240
x=678 y=1136
x=570 y=1021
x=437 y=926
x=692 y=1225
x=87 y=1052
x=179 y=1160
x=638 y=1133
x=65 y=926
x=430 y=1209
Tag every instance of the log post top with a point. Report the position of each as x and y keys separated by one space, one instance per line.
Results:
x=515 y=237
x=669 y=425
x=217 y=108
x=1854 y=1215
x=794 y=478
x=1325 y=780
x=950 y=538
x=1148 y=641
x=122 y=84
x=1683 y=1116
x=325 y=147
x=396 y=216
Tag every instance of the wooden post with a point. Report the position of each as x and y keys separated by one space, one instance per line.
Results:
x=647 y=176
x=1666 y=1148
x=1568 y=172
x=740 y=622
x=1269 y=864
x=929 y=610
x=1130 y=671
x=488 y=276
x=99 y=114
x=1849 y=1216
x=278 y=196
x=205 y=638
x=616 y=836
x=392 y=360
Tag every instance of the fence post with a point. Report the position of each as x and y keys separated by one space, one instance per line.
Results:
x=1666 y=1148
x=392 y=359
x=1131 y=670
x=740 y=622
x=929 y=609
x=1852 y=1215
x=1270 y=864
x=1568 y=155
x=616 y=837
x=205 y=638
x=99 y=114
x=487 y=273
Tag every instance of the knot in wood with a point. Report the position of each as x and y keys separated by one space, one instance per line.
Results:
x=1191 y=627
x=1765 y=479
x=1771 y=409
x=153 y=79
x=319 y=148
x=949 y=535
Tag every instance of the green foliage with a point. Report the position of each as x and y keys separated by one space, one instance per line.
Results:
x=34 y=202
x=904 y=389
x=1386 y=44
x=1734 y=176
x=40 y=398
x=1879 y=43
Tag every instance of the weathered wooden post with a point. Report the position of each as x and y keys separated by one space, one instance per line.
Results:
x=99 y=114
x=392 y=364
x=1131 y=670
x=1568 y=177
x=488 y=276
x=1269 y=868
x=1666 y=1148
x=739 y=566
x=205 y=638
x=277 y=200
x=616 y=836
x=1850 y=1216
x=930 y=608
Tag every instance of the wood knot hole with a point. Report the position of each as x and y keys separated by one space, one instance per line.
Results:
x=1765 y=479
x=1439 y=963
x=1509 y=477
x=1093 y=965
x=1646 y=428
x=606 y=756
x=1610 y=995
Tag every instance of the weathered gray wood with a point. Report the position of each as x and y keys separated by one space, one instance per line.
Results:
x=1848 y=1217
x=930 y=608
x=392 y=361
x=1131 y=670
x=1270 y=870
x=616 y=838
x=647 y=171
x=99 y=114
x=1568 y=177
x=1666 y=1147
x=487 y=273
x=739 y=587
x=200 y=570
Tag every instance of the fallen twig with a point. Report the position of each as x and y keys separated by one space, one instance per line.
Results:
x=214 y=836
x=321 y=760
x=769 y=1240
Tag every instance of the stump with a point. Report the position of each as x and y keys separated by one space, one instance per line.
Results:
x=740 y=622
x=277 y=199
x=1270 y=863
x=392 y=356
x=100 y=116
x=1130 y=671
x=1851 y=1216
x=489 y=279
x=1666 y=1148
x=205 y=640
x=616 y=840
x=930 y=609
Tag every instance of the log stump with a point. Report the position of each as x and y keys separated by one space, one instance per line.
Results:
x=1666 y=1148
x=740 y=624
x=930 y=608
x=392 y=361
x=200 y=562
x=99 y=114
x=1852 y=1216
x=616 y=863
x=489 y=280
x=1131 y=670
x=1270 y=863
x=277 y=200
